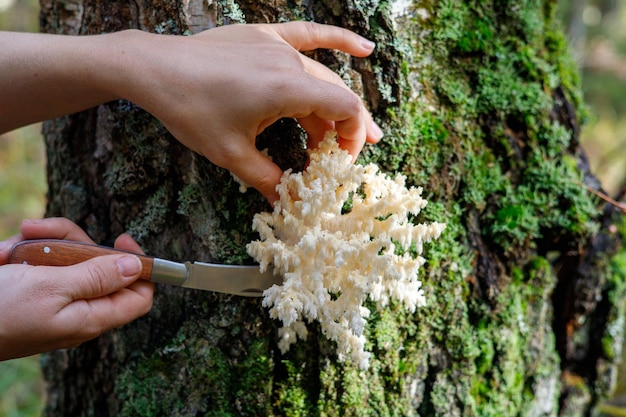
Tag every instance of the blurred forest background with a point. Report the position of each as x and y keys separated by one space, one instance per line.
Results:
x=22 y=195
x=597 y=33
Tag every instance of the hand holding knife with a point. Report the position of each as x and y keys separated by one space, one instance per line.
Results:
x=239 y=280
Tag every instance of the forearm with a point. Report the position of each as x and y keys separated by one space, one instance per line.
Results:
x=45 y=76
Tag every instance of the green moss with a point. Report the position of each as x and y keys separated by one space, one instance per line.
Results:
x=145 y=390
x=481 y=134
x=454 y=14
x=251 y=388
x=515 y=225
x=477 y=36
x=566 y=71
x=399 y=352
x=508 y=85
x=547 y=198
x=487 y=179
x=615 y=292
x=484 y=360
x=513 y=344
x=292 y=397
x=502 y=91
x=215 y=384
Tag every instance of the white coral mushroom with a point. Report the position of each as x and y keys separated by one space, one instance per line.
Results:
x=340 y=233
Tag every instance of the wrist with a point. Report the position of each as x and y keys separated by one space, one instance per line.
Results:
x=140 y=68
x=114 y=66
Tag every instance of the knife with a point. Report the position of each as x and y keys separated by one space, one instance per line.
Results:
x=240 y=280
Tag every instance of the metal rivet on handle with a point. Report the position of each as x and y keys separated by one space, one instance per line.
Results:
x=46 y=249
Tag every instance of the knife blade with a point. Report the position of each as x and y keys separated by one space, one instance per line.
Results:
x=242 y=280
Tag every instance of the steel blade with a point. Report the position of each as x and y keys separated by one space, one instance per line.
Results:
x=241 y=280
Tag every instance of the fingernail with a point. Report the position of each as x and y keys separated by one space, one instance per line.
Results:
x=129 y=266
x=367 y=44
x=377 y=131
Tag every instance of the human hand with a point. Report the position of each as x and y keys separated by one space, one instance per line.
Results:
x=45 y=308
x=217 y=90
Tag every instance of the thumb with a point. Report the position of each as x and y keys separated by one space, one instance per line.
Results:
x=100 y=276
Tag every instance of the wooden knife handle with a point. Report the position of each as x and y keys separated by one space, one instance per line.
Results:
x=53 y=252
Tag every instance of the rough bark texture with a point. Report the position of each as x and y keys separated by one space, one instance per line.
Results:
x=481 y=105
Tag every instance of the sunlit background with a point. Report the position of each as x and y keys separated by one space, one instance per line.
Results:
x=22 y=196
x=597 y=33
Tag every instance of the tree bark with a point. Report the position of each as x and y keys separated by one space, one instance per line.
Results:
x=481 y=105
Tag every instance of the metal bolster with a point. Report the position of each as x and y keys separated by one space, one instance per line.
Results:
x=168 y=272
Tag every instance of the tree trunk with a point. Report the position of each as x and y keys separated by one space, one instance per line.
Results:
x=481 y=105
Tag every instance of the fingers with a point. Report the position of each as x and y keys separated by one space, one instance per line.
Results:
x=308 y=35
x=5 y=248
x=255 y=169
x=51 y=228
x=333 y=103
x=102 y=293
x=373 y=131
x=127 y=243
x=91 y=318
x=54 y=228
x=46 y=308
x=98 y=276
x=62 y=228
x=305 y=36
x=316 y=128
